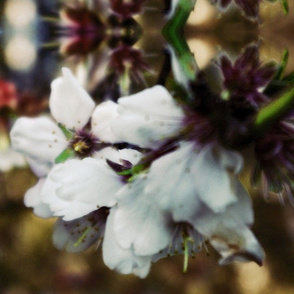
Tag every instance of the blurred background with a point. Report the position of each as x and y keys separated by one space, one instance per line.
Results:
x=115 y=53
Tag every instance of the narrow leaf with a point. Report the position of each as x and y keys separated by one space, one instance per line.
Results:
x=65 y=155
x=67 y=133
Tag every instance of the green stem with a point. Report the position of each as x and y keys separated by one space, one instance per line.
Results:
x=172 y=32
x=274 y=112
x=180 y=16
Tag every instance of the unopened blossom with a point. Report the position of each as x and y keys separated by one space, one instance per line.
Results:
x=275 y=162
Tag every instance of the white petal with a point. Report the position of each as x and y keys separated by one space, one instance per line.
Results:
x=10 y=159
x=192 y=179
x=176 y=194
x=83 y=185
x=194 y=244
x=69 y=103
x=79 y=234
x=147 y=117
x=139 y=223
x=213 y=181
x=38 y=138
x=40 y=169
x=117 y=156
x=228 y=232
x=33 y=199
x=237 y=245
x=121 y=259
x=102 y=118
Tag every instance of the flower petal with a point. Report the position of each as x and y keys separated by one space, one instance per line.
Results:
x=213 y=164
x=10 y=159
x=33 y=199
x=79 y=234
x=101 y=120
x=138 y=221
x=123 y=260
x=193 y=178
x=82 y=187
x=69 y=103
x=147 y=117
x=237 y=244
x=177 y=195
x=228 y=232
x=118 y=156
x=37 y=138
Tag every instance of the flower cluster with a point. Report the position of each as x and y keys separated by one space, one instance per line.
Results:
x=146 y=176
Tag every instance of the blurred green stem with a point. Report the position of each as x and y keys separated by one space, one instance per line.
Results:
x=173 y=33
x=274 y=112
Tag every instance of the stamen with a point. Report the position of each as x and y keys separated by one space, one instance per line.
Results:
x=80 y=147
x=83 y=237
x=186 y=254
x=187 y=239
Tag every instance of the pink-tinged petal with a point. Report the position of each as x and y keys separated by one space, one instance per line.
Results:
x=147 y=117
x=82 y=187
x=69 y=103
x=139 y=223
x=33 y=199
x=102 y=117
x=123 y=260
x=38 y=138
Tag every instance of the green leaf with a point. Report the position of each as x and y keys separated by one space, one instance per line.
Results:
x=67 y=133
x=65 y=155
x=126 y=172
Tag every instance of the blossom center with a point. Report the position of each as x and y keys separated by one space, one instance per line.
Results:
x=80 y=146
x=84 y=144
